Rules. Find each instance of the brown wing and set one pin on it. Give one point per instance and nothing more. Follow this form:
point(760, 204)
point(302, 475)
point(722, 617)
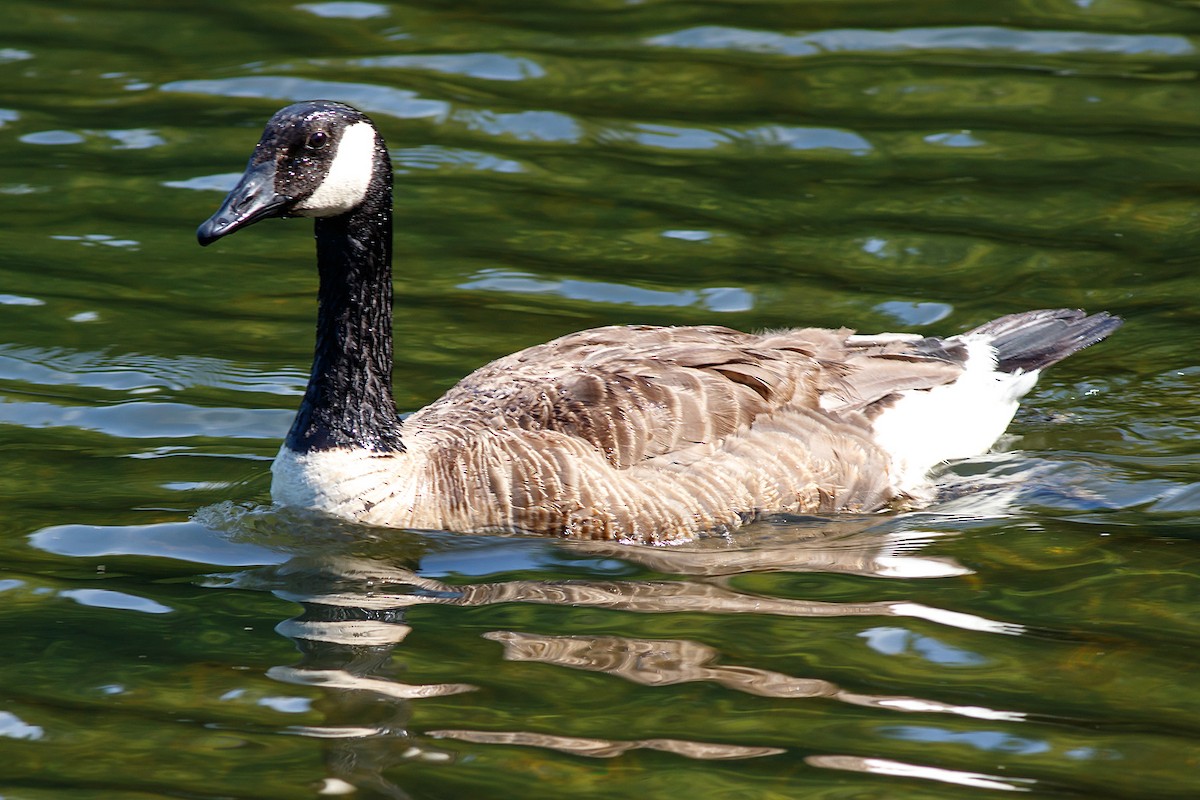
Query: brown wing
point(638, 392)
point(874, 370)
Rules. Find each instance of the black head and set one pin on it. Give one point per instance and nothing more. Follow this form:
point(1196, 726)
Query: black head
point(315, 159)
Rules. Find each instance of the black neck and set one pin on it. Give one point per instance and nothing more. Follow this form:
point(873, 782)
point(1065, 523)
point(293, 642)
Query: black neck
point(348, 402)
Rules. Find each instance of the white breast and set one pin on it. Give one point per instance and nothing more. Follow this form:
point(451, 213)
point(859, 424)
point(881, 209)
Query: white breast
point(354, 484)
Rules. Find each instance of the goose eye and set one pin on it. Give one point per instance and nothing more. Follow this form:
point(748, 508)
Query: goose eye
point(316, 140)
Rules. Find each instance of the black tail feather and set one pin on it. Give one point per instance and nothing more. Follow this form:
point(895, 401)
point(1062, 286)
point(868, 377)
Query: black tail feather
point(1035, 339)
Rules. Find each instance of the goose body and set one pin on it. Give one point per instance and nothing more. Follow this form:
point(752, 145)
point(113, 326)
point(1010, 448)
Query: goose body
point(642, 433)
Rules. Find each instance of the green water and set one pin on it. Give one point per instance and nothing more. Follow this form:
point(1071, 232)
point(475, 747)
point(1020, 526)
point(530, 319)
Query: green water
point(560, 165)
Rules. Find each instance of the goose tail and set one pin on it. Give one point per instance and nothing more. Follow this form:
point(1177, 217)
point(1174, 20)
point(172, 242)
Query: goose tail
point(1032, 340)
point(966, 417)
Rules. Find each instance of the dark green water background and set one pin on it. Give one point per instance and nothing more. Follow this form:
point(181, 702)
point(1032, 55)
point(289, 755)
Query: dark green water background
point(563, 164)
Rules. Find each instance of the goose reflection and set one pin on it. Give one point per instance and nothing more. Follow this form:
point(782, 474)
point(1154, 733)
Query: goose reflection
point(672, 661)
point(696, 583)
point(358, 613)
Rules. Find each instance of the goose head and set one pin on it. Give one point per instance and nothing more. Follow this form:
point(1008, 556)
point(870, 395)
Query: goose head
point(315, 159)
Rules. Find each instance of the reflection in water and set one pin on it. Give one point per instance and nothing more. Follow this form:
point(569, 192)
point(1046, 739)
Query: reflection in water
point(350, 632)
point(653, 662)
point(347, 650)
point(356, 615)
point(672, 661)
point(851, 546)
point(894, 641)
point(399, 587)
point(340, 679)
point(882, 766)
point(607, 748)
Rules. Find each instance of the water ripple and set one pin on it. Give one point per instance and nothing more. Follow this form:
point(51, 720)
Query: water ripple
point(341, 679)
point(485, 66)
point(985, 39)
point(135, 373)
point(398, 587)
point(607, 748)
point(143, 420)
point(346, 9)
point(723, 299)
point(883, 766)
point(401, 103)
point(669, 662)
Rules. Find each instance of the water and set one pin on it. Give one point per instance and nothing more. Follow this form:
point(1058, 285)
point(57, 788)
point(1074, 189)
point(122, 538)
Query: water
point(563, 165)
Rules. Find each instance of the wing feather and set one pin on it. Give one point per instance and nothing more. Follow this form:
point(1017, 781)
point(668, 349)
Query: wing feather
point(636, 393)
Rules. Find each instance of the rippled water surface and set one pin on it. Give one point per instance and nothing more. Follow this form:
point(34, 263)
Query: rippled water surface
point(560, 165)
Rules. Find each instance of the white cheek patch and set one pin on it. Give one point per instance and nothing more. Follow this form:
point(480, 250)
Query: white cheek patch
point(349, 175)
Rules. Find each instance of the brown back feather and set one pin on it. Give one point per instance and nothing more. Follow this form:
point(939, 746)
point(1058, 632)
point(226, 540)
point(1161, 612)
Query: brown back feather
point(688, 429)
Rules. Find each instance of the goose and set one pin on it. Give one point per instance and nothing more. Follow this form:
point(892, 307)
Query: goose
point(638, 433)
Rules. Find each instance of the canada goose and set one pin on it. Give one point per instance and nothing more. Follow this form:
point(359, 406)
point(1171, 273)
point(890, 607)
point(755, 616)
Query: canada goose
point(641, 433)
